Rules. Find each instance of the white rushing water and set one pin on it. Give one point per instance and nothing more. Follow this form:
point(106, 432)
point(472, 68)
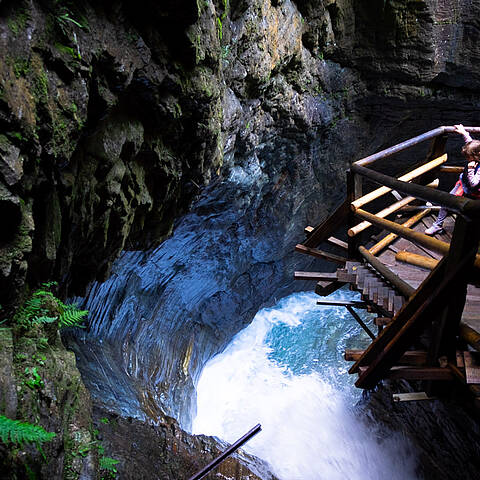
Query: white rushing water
point(286, 371)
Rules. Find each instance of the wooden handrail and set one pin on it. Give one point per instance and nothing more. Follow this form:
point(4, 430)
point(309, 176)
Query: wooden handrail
point(394, 207)
point(387, 240)
point(417, 172)
point(410, 143)
point(462, 205)
point(403, 287)
point(416, 259)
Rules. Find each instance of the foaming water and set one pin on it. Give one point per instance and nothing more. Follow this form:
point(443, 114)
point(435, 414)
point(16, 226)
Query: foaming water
point(286, 371)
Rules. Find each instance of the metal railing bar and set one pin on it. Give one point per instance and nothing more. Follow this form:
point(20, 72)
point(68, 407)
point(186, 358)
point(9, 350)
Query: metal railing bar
point(214, 463)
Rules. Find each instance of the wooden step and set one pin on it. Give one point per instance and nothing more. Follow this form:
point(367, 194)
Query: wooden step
point(317, 276)
point(410, 357)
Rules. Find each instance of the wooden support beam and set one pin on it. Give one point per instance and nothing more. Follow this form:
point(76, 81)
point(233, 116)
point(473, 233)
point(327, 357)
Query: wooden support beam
point(403, 287)
point(404, 178)
point(410, 357)
point(415, 373)
point(315, 252)
point(416, 259)
point(424, 306)
point(340, 303)
point(470, 336)
point(316, 276)
point(420, 373)
point(329, 226)
point(464, 246)
point(391, 237)
point(337, 242)
point(308, 230)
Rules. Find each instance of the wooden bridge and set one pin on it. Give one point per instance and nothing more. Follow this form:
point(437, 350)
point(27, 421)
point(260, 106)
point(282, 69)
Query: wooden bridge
point(424, 290)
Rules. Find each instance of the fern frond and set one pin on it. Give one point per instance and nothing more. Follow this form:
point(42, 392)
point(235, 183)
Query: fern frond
point(43, 319)
point(72, 316)
point(15, 431)
point(107, 463)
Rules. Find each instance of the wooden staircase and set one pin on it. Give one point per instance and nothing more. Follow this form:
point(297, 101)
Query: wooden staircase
point(419, 295)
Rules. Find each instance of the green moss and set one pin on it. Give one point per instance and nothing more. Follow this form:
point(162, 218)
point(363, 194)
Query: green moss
point(18, 22)
point(40, 87)
point(21, 67)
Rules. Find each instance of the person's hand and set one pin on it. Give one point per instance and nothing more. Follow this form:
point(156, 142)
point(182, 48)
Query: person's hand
point(460, 129)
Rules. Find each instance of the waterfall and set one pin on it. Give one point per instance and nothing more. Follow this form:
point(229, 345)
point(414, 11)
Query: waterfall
point(286, 371)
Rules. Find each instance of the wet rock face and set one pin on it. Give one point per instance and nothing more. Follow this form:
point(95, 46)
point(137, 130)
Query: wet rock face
point(110, 125)
point(434, 428)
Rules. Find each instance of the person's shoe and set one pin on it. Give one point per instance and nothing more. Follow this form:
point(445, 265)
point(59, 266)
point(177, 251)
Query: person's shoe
point(433, 229)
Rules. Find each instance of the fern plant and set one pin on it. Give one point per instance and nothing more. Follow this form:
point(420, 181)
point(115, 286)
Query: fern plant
point(42, 306)
point(108, 465)
point(15, 431)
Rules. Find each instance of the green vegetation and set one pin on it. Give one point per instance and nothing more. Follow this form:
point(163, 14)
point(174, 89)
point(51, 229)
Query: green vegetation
point(17, 432)
point(21, 67)
point(18, 22)
point(107, 465)
point(70, 51)
point(44, 308)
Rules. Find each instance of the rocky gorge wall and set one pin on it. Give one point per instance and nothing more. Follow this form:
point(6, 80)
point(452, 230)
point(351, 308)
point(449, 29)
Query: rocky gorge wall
point(115, 117)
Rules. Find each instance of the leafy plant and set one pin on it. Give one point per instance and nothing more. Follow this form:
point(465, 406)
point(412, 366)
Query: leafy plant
point(15, 431)
point(108, 464)
point(35, 381)
point(44, 308)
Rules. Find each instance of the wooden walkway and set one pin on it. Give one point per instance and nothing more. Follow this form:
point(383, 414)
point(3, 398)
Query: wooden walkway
point(425, 291)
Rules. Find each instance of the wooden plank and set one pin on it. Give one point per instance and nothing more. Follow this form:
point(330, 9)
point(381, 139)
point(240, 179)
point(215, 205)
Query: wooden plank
point(410, 357)
point(472, 367)
point(411, 397)
point(404, 178)
point(417, 260)
point(314, 252)
point(329, 226)
point(317, 276)
point(337, 242)
point(340, 303)
point(308, 230)
point(324, 289)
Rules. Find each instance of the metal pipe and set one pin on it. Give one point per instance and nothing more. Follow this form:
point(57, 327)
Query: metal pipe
point(204, 471)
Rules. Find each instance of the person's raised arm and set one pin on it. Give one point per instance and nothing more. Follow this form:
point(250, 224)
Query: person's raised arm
point(460, 129)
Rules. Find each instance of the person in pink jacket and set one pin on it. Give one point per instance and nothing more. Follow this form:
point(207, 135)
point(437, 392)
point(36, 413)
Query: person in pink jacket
point(468, 184)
